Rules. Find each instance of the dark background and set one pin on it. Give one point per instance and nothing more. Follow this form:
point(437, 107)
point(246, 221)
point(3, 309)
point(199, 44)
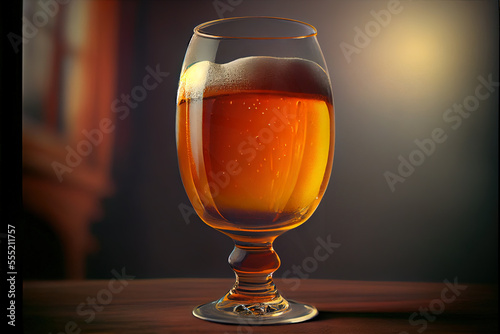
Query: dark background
point(441, 223)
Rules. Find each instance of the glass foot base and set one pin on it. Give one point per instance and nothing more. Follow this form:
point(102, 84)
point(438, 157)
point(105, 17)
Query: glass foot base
point(296, 312)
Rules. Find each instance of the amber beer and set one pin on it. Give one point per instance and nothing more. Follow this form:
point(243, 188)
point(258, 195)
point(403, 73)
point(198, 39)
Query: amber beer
point(255, 141)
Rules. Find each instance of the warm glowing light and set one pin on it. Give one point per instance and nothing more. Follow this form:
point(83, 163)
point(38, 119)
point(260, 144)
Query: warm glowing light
point(413, 54)
point(418, 52)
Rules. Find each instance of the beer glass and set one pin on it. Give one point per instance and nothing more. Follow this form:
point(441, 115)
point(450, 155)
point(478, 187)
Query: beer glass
point(255, 141)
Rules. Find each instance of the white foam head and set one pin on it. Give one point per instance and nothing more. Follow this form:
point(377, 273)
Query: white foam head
point(254, 73)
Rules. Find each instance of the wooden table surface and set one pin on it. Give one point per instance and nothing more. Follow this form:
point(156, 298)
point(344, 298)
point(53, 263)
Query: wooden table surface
point(164, 306)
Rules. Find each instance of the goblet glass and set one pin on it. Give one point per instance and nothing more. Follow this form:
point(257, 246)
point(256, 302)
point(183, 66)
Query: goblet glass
point(255, 141)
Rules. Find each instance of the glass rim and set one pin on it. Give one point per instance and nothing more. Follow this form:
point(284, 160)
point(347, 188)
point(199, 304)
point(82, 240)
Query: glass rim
point(198, 29)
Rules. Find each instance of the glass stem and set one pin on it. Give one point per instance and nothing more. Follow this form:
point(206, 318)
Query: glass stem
point(254, 291)
point(254, 266)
